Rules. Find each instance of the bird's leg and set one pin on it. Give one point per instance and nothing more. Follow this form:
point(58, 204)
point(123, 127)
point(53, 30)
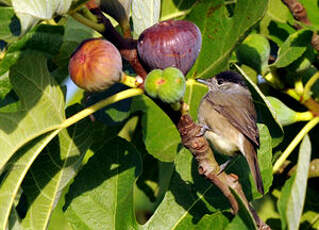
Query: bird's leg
point(203, 130)
point(223, 166)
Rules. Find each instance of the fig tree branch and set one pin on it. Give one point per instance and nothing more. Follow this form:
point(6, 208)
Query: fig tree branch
point(126, 46)
point(209, 168)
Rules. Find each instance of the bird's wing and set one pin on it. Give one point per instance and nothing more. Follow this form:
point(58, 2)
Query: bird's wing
point(240, 112)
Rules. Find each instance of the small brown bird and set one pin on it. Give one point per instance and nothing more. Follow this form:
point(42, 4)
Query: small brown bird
point(228, 117)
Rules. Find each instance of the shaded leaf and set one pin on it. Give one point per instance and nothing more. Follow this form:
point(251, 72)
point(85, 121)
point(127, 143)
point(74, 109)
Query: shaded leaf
point(160, 135)
point(17, 168)
point(10, 26)
point(291, 201)
point(52, 171)
point(31, 11)
point(101, 195)
point(44, 39)
point(293, 48)
point(191, 202)
point(175, 8)
point(145, 13)
point(220, 33)
point(42, 105)
point(5, 85)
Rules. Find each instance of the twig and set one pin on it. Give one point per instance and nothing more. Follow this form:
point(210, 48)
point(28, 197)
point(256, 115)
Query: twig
point(126, 46)
point(300, 14)
point(208, 166)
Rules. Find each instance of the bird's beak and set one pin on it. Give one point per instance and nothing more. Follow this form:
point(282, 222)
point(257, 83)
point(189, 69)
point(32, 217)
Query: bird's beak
point(202, 81)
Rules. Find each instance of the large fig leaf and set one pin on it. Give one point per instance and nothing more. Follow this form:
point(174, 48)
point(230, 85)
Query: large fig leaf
point(160, 135)
point(293, 194)
point(145, 13)
point(52, 171)
point(101, 196)
point(42, 105)
point(221, 33)
point(175, 8)
point(16, 171)
point(10, 26)
point(31, 11)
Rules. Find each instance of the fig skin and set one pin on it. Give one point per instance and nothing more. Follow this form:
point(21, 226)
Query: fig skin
point(168, 85)
point(95, 65)
point(168, 43)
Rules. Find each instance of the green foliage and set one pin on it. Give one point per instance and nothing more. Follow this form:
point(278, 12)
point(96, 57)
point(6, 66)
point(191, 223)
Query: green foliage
point(125, 166)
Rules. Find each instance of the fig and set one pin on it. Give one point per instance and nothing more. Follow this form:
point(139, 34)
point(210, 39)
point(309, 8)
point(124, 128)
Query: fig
point(254, 52)
point(95, 65)
point(170, 43)
point(168, 85)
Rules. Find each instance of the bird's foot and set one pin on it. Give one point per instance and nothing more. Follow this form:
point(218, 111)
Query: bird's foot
point(223, 166)
point(203, 130)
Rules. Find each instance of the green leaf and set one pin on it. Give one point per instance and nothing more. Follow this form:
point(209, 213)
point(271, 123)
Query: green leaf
point(191, 202)
point(44, 39)
point(145, 13)
point(5, 85)
point(220, 33)
point(285, 115)
point(160, 135)
point(243, 219)
point(293, 48)
point(278, 11)
point(52, 171)
point(14, 221)
point(42, 105)
point(31, 11)
point(101, 196)
point(291, 201)
point(265, 112)
point(175, 8)
point(10, 27)
point(312, 9)
point(16, 170)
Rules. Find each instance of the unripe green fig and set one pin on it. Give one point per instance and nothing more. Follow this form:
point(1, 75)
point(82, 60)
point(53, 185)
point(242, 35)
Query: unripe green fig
point(168, 85)
point(95, 65)
point(254, 52)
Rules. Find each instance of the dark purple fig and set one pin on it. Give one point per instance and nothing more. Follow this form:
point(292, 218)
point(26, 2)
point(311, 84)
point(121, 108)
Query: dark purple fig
point(170, 43)
point(95, 65)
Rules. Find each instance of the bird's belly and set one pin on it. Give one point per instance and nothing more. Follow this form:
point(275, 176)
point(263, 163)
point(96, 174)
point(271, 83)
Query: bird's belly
point(221, 144)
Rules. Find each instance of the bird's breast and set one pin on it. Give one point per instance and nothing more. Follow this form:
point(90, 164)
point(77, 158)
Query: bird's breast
point(222, 144)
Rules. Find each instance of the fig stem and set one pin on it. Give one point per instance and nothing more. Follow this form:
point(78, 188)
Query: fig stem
point(130, 81)
point(304, 116)
point(311, 124)
point(94, 25)
point(309, 84)
point(99, 105)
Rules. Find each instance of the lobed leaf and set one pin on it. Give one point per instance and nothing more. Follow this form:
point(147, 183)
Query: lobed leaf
point(160, 135)
point(52, 171)
point(145, 13)
point(291, 201)
point(42, 105)
point(221, 33)
point(101, 195)
point(10, 28)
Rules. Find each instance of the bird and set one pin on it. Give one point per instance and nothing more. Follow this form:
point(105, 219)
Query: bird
point(229, 120)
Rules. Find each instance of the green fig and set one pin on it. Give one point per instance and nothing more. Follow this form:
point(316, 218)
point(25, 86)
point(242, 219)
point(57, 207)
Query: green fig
point(95, 65)
point(168, 85)
point(254, 52)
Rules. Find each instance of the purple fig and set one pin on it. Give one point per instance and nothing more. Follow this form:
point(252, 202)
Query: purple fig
point(95, 65)
point(170, 43)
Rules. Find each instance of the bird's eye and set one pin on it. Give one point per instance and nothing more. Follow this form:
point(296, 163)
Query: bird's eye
point(220, 82)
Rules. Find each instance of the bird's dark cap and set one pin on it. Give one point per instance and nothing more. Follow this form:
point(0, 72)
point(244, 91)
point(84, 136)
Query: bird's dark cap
point(230, 76)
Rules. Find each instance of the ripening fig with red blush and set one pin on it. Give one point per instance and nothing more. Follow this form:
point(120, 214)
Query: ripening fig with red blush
point(170, 43)
point(95, 65)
